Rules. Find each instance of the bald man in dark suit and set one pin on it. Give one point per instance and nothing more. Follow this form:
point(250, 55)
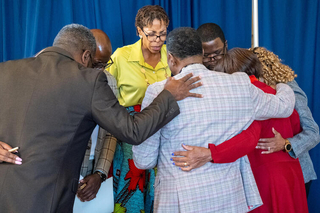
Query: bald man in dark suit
point(49, 106)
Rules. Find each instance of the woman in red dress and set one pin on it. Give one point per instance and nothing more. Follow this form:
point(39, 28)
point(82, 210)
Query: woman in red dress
point(279, 177)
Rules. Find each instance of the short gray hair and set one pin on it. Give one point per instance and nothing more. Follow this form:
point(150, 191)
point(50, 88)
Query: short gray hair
point(75, 38)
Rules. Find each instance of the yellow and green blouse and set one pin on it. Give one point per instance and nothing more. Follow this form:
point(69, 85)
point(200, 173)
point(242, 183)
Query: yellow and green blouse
point(133, 74)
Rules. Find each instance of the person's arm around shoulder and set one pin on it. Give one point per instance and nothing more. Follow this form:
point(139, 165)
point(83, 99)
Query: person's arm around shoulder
point(108, 113)
point(267, 106)
point(226, 152)
point(309, 137)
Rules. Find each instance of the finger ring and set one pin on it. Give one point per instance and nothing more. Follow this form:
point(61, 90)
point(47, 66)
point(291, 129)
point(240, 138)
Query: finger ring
point(269, 149)
point(185, 164)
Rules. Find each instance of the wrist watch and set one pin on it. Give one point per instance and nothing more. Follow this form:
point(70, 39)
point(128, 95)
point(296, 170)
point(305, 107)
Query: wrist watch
point(287, 146)
point(102, 176)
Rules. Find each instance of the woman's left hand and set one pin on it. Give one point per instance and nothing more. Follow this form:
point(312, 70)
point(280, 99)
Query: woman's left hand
point(271, 145)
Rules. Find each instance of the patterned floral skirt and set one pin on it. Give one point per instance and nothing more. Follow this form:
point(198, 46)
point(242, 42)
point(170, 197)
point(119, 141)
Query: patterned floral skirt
point(132, 187)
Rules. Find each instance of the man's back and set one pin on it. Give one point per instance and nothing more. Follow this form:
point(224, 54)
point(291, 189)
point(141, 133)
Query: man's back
point(42, 108)
point(225, 109)
point(229, 105)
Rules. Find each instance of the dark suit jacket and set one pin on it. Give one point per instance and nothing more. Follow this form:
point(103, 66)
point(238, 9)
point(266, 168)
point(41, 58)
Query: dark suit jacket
point(49, 107)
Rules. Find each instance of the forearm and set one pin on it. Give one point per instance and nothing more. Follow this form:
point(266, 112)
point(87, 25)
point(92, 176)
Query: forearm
point(108, 113)
point(107, 153)
point(268, 106)
point(309, 136)
point(145, 155)
point(238, 146)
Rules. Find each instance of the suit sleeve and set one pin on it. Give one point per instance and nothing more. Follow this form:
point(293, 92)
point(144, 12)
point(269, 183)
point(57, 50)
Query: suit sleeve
point(145, 155)
point(110, 115)
point(267, 106)
point(309, 137)
point(238, 146)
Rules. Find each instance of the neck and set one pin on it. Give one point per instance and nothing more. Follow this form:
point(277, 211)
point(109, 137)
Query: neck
point(197, 59)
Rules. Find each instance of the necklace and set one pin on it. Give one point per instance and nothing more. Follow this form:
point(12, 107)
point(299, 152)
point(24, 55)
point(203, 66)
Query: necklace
point(145, 76)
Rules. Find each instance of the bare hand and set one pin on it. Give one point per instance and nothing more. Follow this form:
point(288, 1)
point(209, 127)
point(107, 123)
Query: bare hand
point(93, 183)
point(180, 89)
point(7, 156)
point(194, 157)
point(271, 144)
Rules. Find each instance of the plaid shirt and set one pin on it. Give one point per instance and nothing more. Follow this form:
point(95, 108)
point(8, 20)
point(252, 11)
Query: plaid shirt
point(230, 104)
point(105, 147)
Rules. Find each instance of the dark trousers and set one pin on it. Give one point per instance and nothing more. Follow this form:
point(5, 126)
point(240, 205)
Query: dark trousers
point(307, 185)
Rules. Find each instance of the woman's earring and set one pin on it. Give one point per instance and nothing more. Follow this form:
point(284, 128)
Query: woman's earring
point(140, 36)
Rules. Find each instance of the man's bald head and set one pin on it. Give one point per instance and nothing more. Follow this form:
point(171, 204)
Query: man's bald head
point(104, 49)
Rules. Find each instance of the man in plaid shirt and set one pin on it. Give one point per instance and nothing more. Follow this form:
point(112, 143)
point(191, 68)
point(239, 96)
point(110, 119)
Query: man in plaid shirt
point(230, 104)
point(101, 147)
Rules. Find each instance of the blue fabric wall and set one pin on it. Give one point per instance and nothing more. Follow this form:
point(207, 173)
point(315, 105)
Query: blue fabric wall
point(290, 28)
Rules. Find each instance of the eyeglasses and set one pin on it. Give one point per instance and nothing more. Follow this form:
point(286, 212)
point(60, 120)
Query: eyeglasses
point(101, 65)
point(152, 37)
point(207, 58)
point(216, 55)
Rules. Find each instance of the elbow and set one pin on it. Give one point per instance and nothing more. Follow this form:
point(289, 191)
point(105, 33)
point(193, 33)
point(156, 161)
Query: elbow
point(144, 165)
point(143, 162)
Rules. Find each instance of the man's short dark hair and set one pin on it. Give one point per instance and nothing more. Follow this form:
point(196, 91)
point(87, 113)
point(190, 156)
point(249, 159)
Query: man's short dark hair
point(75, 38)
point(210, 31)
point(184, 42)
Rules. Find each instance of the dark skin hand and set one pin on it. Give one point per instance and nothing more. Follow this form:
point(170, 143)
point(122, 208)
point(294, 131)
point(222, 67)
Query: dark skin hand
point(180, 89)
point(276, 143)
point(6, 156)
point(193, 157)
point(93, 183)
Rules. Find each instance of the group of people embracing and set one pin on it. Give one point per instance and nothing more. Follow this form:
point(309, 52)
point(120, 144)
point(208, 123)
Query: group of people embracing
point(241, 145)
point(221, 134)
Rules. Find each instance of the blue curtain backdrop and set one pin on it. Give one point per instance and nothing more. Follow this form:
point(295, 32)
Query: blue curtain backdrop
point(290, 28)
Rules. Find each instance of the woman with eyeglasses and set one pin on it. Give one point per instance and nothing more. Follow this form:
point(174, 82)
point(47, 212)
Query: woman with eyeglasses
point(135, 67)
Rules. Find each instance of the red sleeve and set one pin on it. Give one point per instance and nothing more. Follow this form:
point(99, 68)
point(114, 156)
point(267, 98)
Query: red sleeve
point(238, 146)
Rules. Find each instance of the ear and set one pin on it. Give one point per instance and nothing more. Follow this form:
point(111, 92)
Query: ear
point(86, 59)
point(172, 60)
point(139, 32)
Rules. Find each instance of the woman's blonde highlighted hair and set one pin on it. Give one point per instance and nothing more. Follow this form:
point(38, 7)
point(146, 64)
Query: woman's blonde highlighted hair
point(273, 70)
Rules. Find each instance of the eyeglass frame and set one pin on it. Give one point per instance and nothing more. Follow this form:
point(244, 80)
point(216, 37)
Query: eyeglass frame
point(103, 65)
point(218, 55)
point(157, 36)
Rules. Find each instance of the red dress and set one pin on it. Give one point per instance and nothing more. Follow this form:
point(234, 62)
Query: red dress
point(279, 177)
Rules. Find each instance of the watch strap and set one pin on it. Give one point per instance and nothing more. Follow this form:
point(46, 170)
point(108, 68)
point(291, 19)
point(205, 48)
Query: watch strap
point(287, 146)
point(103, 177)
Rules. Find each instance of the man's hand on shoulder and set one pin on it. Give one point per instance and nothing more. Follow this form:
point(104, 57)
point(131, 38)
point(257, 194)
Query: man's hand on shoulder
point(180, 89)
